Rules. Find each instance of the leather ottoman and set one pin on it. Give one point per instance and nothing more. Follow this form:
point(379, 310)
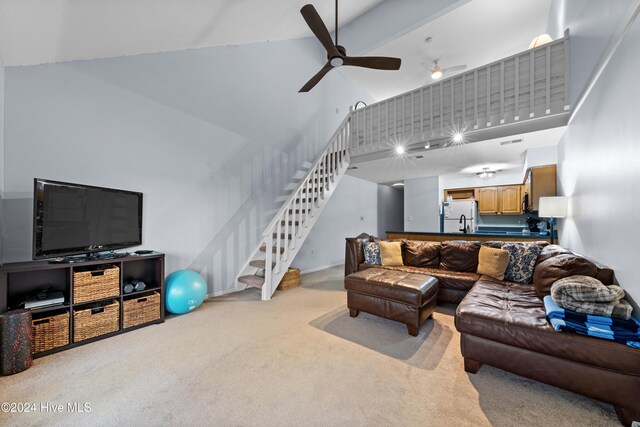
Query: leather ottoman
point(405, 297)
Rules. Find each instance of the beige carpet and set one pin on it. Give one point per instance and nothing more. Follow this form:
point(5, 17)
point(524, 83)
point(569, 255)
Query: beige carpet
point(297, 360)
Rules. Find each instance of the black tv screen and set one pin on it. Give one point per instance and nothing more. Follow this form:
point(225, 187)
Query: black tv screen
point(72, 219)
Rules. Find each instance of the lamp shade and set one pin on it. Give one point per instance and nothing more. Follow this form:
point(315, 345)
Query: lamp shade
point(553, 207)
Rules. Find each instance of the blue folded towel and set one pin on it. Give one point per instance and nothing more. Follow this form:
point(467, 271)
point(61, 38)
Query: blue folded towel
point(623, 331)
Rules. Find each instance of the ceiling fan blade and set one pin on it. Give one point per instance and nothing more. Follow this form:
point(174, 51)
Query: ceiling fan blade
point(315, 79)
point(377, 62)
point(454, 68)
point(314, 22)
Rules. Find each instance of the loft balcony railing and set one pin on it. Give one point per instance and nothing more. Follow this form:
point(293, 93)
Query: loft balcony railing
point(522, 87)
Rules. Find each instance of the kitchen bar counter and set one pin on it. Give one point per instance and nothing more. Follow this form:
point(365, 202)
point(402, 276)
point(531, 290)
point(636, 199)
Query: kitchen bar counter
point(482, 237)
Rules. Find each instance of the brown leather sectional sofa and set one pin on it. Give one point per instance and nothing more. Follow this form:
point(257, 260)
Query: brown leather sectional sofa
point(503, 324)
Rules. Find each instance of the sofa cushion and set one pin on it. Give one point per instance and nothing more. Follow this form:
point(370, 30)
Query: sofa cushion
point(512, 314)
point(558, 267)
point(493, 262)
point(422, 254)
point(372, 253)
point(391, 253)
point(522, 261)
point(459, 255)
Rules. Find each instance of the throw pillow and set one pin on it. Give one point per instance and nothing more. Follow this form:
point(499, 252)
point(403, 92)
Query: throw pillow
point(522, 261)
point(391, 253)
point(372, 253)
point(493, 262)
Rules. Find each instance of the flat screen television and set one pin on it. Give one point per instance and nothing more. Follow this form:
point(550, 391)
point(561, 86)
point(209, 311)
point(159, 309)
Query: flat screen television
point(73, 219)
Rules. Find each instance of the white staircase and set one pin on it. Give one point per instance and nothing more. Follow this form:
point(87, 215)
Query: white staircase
point(284, 236)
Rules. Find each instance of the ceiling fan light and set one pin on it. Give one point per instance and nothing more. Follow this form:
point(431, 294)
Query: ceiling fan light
point(436, 72)
point(486, 174)
point(540, 40)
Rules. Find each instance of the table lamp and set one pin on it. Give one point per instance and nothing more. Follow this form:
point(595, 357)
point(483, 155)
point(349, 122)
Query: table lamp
point(552, 208)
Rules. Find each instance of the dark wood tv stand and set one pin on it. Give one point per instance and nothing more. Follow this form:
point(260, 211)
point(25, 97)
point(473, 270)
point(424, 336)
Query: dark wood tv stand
point(19, 280)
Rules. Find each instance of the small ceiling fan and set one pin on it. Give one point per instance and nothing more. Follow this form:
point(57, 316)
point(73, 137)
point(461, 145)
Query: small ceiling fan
point(437, 72)
point(336, 54)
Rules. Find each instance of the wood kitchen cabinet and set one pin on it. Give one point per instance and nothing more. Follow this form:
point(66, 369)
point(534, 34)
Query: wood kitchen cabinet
point(501, 200)
point(541, 182)
point(487, 200)
point(509, 200)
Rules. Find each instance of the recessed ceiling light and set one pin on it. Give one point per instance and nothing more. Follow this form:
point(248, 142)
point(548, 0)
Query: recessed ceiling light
point(458, 137)
point(400, 149)
point(427, 145)
point(398, 184)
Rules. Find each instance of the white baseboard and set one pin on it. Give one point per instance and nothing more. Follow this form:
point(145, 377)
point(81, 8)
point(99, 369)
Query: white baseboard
point(324, 267)
point(226, 291)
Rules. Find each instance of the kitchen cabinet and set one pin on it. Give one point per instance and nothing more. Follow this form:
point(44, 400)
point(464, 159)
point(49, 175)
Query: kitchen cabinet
point(487, 200)
point(541, 182)
point(509, 200)
point(460, 193)
point(500, 200)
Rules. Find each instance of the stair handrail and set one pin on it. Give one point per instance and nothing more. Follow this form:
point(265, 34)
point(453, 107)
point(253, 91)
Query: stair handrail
point(278, 216)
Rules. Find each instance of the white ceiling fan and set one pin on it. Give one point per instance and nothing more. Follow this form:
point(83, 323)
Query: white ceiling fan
point(437, 72)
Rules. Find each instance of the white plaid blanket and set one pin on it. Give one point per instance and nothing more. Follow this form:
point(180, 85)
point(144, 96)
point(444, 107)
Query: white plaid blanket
point(588, 295)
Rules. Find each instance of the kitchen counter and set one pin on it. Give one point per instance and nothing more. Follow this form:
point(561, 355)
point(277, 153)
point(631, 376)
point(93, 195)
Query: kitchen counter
point(482, 236)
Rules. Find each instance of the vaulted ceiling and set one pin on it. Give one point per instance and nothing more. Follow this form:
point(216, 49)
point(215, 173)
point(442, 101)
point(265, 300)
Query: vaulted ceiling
point(45, 31)
point(470, 32)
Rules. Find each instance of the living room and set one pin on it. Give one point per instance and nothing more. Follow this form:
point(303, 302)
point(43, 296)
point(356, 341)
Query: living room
point(199, 110)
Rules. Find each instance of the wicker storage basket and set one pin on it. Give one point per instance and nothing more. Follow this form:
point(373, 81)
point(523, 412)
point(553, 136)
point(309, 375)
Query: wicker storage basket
point(50, 332)
point(95, 321)
point(290, 280)
point(140, 310)
point(96, 284)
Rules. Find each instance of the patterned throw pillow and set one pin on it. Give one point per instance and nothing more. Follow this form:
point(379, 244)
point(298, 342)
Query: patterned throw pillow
point(372, 253)
point(522, 261)
point(493, 262)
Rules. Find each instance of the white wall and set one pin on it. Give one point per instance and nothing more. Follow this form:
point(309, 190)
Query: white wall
point(599, 155)
point(212, 137)
point(351, 210)
point(1, 162)
point(422, 205)
point(592, 26)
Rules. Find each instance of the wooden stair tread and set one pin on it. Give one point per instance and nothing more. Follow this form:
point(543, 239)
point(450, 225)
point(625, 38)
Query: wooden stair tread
point(283, 236)
point(260, 263)
point(252, 281)
point(263, 248)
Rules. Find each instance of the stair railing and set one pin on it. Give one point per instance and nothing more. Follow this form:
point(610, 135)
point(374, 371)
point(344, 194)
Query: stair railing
point(293, 221)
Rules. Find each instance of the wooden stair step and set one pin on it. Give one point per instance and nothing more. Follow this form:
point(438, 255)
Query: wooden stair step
point(283, 236)
point(260, 263)
point(252, 281)
point(274, 249)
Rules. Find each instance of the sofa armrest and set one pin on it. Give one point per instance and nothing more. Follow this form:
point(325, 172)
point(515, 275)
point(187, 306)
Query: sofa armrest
point(354, 253)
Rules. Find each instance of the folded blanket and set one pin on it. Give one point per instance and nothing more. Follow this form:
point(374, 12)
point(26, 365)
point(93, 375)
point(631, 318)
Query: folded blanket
point(619, 330)
point(588, 295)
